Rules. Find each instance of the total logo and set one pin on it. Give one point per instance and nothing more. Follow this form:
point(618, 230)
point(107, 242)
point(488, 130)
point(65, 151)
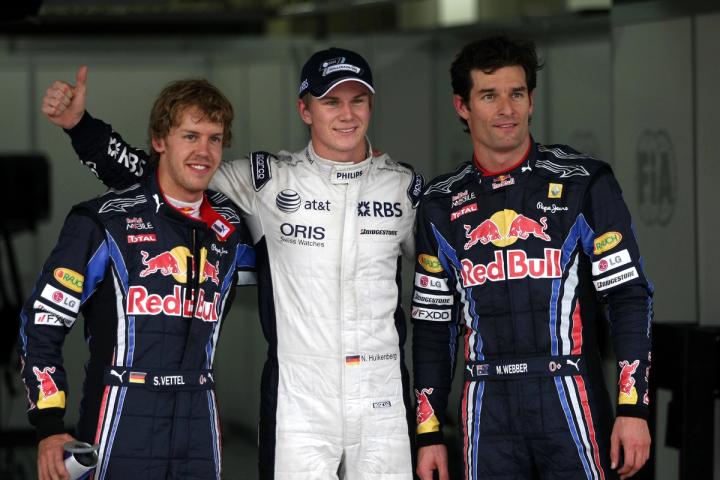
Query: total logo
point(367, 208)
point(140, 302)
point(175, 263)
point(504, 228)
point(517, 265)
point(289, 201)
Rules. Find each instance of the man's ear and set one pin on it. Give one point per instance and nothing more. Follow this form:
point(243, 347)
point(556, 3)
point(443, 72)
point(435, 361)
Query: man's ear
point(461, 107)
point(304, 112)
point(158, 145)
point(532, 101)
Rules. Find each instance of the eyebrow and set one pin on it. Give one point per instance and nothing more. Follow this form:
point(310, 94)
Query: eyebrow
point(196, 132)
point(333, 97)
point(492, 90)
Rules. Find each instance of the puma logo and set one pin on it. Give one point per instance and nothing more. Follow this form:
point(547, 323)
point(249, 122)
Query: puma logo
point(158, 202)
point(574, 364)
point(119, 375)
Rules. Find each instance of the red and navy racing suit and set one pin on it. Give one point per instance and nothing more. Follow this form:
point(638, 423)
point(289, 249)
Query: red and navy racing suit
point(154, 286)
point(518, 266)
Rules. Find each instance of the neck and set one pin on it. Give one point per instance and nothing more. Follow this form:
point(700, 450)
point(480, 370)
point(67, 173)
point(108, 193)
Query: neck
point(356, 155)
point(169, 188)
point(493, 161)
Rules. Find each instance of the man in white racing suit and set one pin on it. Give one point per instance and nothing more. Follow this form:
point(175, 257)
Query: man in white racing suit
point(330, 223)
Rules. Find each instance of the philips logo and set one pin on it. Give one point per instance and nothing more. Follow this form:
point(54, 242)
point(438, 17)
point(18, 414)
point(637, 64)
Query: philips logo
point(348, 175)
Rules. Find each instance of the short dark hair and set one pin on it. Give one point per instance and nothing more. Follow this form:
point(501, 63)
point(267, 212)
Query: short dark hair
point(488, 55)
point(181, 95)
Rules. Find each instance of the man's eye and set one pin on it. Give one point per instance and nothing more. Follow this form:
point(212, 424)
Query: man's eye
point(189, 136)
point(216, 139)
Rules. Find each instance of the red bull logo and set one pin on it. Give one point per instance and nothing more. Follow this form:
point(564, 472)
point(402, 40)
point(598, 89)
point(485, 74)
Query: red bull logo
point(210, 272)
point(175, 263)
point(140, 302)
point(484, 233)
point(504, 228)
point(426, 419)
point(47, 384)
point(511, 265)
point(626, 382)
point(166, 263)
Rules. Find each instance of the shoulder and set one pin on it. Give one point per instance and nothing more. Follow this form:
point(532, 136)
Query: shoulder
point(563, 162)
point(405, 173)
point(224, 206)
point(449, 183)
point(262, 165)
point(114, 202)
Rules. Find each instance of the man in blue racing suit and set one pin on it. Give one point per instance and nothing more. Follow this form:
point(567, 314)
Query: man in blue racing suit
point(518, 250)
point(152, 269)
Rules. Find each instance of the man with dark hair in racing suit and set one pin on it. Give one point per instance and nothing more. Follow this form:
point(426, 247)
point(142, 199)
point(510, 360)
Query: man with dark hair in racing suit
point(330, 223)
point(517, 251)
point(152, 269)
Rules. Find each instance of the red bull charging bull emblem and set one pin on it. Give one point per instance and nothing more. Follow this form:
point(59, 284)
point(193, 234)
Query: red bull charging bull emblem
point(175, 263)
point(504, 228)
point(426, 419)
point(626, 382)
point(49, 396)
point(47, 384)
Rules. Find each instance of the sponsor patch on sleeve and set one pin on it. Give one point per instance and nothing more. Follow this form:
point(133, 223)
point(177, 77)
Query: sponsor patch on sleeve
point(415, 189)
point(610, 262)
point(617, 279)
point(419, 313)
point(60, 298)
point(606, 241)
point(260, 166)
point(431, 283)
point(430, 263)
point(432, 299)
point(69, 279)
point(44, 318)
point(38, 305)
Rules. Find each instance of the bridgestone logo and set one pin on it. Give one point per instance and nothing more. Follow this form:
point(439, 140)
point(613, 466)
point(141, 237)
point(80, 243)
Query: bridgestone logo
point(365, 231)
point(617, 279)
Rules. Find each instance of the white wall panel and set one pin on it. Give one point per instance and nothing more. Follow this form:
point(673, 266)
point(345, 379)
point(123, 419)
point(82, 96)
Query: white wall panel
point(579, 78)
point(708, 166)
point(653, 132)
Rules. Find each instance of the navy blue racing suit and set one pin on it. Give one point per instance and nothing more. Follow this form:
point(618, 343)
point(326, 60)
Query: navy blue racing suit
point(154, 286)
point(519, 266)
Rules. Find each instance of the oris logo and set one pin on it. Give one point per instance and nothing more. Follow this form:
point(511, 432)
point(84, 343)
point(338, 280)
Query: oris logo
point(288, 201)
point(307, 232)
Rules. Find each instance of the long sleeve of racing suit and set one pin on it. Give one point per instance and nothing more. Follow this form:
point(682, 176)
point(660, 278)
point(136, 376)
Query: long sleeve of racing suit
point(67, 282)
point(118, 164)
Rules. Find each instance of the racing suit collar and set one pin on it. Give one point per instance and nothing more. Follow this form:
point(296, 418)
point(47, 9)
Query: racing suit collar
point(516, 174)
point(340, 172)
point(208, 215)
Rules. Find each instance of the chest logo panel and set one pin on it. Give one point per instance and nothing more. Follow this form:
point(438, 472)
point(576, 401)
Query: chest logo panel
point(175, 262)
point(504, 228)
